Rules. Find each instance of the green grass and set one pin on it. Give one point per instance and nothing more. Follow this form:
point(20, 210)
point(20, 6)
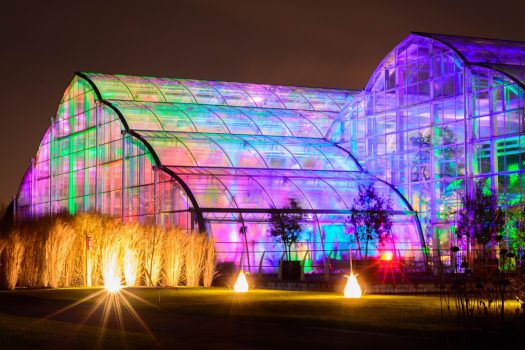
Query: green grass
point(219, 318)
point(26, 332)
point(372, 313)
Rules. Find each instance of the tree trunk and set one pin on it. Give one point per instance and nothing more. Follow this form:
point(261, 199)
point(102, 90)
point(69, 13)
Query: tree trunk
point(366, 250)
point(358, 245)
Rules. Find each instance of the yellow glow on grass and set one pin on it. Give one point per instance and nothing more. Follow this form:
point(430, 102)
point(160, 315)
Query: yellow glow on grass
point(352, 288)
point(241, 285)
point(113, 302)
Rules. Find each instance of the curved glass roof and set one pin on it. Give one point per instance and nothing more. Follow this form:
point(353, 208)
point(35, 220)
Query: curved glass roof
point(501, 55)
point(516, 72)
point(150, 89)
point(224, 119)
point(247, 151)
point(478, 50)
point(243, 145)
point(265, 188)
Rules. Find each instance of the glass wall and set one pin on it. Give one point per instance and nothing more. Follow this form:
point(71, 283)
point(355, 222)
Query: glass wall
point(208, 156)
point(434, 119)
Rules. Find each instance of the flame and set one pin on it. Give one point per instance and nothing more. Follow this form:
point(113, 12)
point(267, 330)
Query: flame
point(241, 285)
point(352, 288)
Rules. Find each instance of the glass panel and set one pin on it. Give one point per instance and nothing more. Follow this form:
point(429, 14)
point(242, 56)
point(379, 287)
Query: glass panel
point(240, 152)
point(291, 98)
point(204, 119)
point(233, 94)
point(266, 122)
point(203, 92)
point(138, 116)
point(110, 87)
point(262, 96)
point(142, 89)
point(236, 120)
point(321, 120)
point(318, 100)
point(174, 90)
point(171, 117)
point(275, 155)
point(300, 126)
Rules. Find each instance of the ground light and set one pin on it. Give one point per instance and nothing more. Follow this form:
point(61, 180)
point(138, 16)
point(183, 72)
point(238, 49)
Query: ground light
point(352, 288)
point(241, 285)
point(112, 278)
point(386, 256)
point(112, 285)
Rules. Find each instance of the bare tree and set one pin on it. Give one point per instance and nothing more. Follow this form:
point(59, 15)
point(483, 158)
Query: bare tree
point(371, 215)
point(286, 225)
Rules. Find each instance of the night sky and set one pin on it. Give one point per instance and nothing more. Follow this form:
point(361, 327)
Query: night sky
point(308, 43)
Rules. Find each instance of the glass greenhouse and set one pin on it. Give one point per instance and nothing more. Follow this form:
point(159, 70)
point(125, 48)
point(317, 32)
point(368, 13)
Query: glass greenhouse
point(439, 114)
point(208, 156)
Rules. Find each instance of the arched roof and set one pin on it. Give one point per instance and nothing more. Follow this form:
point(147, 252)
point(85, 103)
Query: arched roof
point(191, 117)
point(247, 151)
point(325, 191)
point(151, 89)
point(504, 56)
point(242, 146)
point(480, 50)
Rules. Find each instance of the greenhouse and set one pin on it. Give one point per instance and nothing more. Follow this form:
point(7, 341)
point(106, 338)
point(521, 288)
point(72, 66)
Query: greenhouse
point(209, 156)
point(440, 114)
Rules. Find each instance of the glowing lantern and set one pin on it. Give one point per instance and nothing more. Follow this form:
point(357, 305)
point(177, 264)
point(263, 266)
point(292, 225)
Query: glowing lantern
point(352, 288)
point(386, 256)
point(241, 285)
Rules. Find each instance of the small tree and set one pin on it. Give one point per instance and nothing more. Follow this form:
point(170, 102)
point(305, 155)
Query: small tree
point(371, 215)
point(480, 218)
point(286, 225)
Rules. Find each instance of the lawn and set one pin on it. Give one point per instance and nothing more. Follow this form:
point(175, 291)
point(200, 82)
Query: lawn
point(218, 318)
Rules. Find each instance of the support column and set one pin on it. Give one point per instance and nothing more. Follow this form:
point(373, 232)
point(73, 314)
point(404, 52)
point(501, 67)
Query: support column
point(155, 197)
point(123, 176)
point(51, 137)
point(97, 189)
point(466, 143)
point(32, 187)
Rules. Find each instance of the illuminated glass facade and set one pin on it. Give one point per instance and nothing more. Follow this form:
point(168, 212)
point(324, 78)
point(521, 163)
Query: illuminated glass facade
point(207, 156)
point(440, 113)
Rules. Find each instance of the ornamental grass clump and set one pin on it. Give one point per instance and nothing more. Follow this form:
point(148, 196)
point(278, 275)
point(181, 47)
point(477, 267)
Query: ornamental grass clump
point(174, 257)
point(12, 255)
point(60, 254)
point(210, 261)
point(95, 250)
point(195, 253)
point(132, 254)
point(153, 246)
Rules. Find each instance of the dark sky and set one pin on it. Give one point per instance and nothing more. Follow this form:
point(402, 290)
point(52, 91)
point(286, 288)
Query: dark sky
point(309, 43)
